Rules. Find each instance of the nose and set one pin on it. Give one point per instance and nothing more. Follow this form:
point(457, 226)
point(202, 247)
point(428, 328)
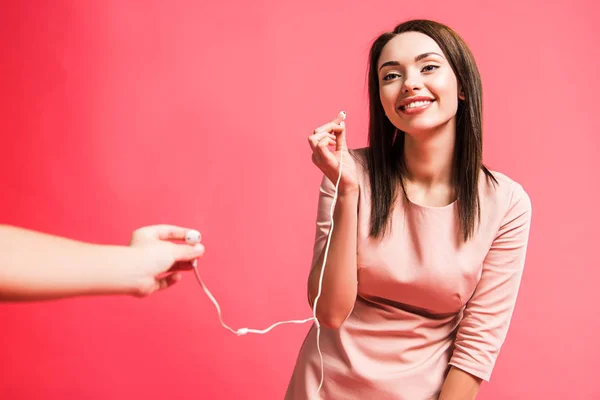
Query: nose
point(412, 83)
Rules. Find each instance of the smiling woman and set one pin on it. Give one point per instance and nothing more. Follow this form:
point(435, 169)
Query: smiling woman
point(418, 289)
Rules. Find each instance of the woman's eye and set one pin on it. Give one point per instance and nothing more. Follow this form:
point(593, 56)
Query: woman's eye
point(390, 76)
point(429, 68)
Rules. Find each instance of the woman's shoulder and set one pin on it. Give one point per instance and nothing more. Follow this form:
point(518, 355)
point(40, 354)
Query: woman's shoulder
point(503, 192)
point(360, 154)
point(360, 158)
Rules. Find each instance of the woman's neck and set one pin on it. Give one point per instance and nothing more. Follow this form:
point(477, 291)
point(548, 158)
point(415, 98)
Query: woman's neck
point(429, 158)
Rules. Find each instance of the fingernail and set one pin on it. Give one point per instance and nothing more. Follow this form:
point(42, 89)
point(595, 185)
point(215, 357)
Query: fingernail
point(343, 124)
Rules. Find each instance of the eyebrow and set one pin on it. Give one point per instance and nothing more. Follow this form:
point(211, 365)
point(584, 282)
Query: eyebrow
point(417, 59)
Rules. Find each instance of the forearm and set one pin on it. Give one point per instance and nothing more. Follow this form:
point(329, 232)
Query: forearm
point(339, 288)
point(36, 266)
point(460, 385)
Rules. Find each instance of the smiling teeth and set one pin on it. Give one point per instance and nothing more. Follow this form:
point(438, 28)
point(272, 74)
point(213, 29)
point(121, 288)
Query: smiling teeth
point(417, 104)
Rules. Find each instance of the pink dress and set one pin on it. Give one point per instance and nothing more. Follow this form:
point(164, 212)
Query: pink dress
point(426, 301)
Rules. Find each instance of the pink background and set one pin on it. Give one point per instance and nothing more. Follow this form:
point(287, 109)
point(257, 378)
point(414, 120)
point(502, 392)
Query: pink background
point(117, 114)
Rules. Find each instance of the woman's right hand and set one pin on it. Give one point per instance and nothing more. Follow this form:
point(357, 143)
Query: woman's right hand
point(334, 134)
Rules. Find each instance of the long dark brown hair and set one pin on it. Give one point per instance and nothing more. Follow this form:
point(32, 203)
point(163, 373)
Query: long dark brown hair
point(385, 152)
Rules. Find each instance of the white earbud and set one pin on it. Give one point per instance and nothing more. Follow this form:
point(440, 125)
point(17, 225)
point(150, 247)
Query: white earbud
point(192, 237)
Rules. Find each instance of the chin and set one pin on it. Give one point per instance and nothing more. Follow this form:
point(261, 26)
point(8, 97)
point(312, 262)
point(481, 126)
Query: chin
point(419, 129)
point(421, 126)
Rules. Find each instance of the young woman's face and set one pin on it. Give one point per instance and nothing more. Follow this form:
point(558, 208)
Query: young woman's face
point(417, 87)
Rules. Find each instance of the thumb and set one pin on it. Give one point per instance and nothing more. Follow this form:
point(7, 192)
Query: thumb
point(340, 117)
point(186, 252)
point(340, 142)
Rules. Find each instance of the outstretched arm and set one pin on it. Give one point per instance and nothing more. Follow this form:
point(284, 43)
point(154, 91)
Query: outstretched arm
point(39, 266)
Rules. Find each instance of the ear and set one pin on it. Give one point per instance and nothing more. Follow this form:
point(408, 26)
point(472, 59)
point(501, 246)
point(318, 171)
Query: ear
point(461, 94)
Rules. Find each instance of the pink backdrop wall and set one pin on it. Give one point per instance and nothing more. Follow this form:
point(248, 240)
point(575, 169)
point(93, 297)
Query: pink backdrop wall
point(117, 114)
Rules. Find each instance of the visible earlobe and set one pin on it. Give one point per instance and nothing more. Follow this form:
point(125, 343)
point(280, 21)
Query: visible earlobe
point(461, 95)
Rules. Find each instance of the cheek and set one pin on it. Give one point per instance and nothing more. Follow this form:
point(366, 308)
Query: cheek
point(388, 97)
point(446, 89)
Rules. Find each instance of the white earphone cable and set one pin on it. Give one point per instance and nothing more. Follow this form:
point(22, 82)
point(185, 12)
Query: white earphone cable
point(244, 331)
point(331, 210)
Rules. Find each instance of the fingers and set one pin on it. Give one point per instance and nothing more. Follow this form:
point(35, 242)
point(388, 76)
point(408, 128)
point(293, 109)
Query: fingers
point(171, 232)
point(321, 152)
point(167, 281)
point(340, 143)
point(189, 253)
point(334, 125)
point(341, 140)
point(330, 127)
point(315, 139)
point(184, 265)
point(340, 117)
point(331, 133)
point(158, 283)
point(339, 122)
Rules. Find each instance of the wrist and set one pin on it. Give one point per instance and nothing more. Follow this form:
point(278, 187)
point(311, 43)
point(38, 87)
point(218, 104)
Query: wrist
point(350, 193)
point(134, 281)
point(347, 202)
point(119, 270)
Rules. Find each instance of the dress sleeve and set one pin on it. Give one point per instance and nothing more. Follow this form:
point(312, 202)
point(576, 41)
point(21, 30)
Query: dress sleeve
point(323, 223)
point(487, 315)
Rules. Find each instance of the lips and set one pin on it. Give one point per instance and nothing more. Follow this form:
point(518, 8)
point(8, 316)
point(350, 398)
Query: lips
point(414, 105)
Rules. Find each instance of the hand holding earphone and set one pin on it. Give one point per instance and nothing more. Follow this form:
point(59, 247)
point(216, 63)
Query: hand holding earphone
point(333, 133)
point(159, 257)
